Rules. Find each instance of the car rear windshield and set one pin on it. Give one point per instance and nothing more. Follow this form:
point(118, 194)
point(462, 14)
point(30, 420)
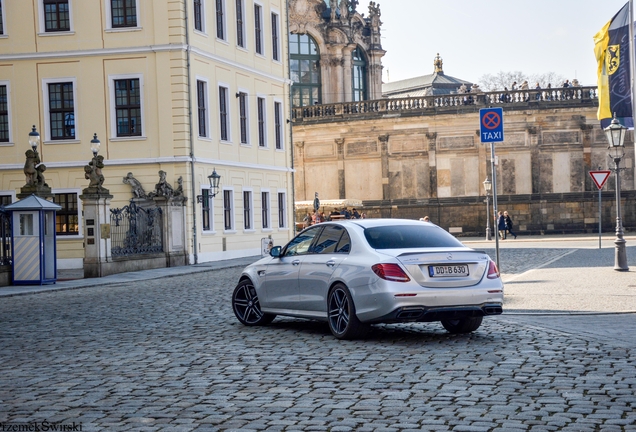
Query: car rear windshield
point(409, 236)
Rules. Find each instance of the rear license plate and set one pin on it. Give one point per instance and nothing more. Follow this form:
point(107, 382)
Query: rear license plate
point(448, 270)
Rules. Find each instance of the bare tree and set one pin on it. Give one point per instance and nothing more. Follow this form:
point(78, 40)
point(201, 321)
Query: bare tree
point(501, 80)
point(552, 78)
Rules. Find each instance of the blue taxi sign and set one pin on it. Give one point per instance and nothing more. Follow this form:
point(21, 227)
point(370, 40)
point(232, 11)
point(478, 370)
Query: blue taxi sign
point(491, 125)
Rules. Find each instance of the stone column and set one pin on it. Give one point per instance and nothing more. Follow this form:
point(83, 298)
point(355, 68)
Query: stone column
point(587, 156)
point(174, 231)
point(432, 163)
point(347, 79)
point(384, 155)
point(342, 190)
point(97, 244)
point(301, 181)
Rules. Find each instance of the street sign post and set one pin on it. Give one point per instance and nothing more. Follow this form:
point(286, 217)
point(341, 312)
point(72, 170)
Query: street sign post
point(491, 131)
point(599, 178)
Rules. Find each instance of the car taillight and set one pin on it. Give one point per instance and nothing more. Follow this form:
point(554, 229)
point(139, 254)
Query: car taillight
point(390, 272)
point(493, 271)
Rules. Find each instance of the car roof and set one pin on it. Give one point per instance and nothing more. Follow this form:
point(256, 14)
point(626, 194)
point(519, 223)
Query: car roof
point(371, 223)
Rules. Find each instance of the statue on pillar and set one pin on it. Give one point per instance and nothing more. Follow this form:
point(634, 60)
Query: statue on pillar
point(163, 188)
point(93, 173)
point(34, 175)
point(31, 165)
point(137, 188)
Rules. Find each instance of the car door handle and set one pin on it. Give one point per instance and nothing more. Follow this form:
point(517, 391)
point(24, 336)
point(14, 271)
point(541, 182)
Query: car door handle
point(331, 263)
point(295, 262)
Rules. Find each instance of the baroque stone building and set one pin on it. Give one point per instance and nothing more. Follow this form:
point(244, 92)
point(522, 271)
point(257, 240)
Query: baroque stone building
point(407, 157)
point(335, 52)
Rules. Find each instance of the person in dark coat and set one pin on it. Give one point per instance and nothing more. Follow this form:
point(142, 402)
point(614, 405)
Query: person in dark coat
point(509, 223)
point(501, 225)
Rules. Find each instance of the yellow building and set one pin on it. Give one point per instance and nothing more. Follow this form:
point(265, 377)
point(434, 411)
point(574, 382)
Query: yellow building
point(182, 86)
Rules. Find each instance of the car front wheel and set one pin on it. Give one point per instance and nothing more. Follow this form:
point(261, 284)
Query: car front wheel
point(464, 325)
point(247, 307)
point(343, 322)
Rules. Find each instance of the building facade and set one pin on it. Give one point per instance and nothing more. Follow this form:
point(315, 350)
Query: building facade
point(415, 156)
point(181, 87)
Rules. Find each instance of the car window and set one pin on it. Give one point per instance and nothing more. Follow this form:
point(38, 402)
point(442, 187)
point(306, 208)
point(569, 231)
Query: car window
point(329, 240)
point(409, 236)
point(344, 245)
point(299, 245)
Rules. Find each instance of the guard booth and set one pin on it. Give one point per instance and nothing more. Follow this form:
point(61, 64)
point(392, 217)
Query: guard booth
point(33, 241)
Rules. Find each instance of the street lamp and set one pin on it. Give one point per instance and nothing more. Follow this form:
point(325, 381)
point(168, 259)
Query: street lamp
point(214, 180)
point(95, 145)
point(487, 188)
point(34, 139)
point(615, 133)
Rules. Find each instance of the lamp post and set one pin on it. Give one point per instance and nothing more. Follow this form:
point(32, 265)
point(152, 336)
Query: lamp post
point(487, 187)
point(214, 180)
point(95, 145)
point(615, 133)
point(34, 139)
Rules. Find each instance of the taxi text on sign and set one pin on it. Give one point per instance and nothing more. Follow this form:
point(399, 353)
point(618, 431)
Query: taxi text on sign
point(491, 125)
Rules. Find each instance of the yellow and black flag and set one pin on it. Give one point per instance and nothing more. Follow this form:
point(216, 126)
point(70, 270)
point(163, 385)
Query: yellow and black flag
point(612, 49)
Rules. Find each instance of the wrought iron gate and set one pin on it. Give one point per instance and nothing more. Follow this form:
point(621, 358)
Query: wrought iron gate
point(5, 237)
point(135, 230)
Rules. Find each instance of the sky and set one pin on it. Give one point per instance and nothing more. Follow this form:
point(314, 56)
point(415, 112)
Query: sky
point(479, 37)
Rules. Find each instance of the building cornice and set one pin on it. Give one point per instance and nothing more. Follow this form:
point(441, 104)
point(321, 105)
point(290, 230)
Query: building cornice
point(140, 50)
point(161, 160)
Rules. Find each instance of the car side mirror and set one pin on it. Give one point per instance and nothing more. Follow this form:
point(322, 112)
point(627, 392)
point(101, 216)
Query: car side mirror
point(275, 251)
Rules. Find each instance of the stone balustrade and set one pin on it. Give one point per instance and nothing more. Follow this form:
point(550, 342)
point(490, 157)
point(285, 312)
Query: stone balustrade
point(543, 98)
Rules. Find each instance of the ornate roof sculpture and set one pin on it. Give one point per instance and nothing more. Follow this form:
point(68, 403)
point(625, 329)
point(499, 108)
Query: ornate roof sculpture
point(437, 83)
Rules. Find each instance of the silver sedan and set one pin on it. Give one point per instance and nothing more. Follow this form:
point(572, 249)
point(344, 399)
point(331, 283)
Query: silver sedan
point(359, 272)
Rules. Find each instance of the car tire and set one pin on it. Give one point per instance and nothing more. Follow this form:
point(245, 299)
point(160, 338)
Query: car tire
point(246, 306)
point(464, 325)
point(341, 314)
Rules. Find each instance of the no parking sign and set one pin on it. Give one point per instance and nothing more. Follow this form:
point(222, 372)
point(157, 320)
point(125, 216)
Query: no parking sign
point(491, 125)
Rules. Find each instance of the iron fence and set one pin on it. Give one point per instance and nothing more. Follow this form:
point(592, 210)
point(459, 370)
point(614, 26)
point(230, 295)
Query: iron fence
point(5, 237)
point(136, 230)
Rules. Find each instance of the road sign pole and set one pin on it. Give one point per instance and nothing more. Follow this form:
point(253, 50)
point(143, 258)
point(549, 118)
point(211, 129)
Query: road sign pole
point(599, 218)
point(494, 200)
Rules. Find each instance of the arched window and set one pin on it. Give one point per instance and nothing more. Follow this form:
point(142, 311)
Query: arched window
point(304, 66)
point(359, 75)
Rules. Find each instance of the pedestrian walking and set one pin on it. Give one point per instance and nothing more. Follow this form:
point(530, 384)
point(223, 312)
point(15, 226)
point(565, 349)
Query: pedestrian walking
point(501, 225)
point(509, 224)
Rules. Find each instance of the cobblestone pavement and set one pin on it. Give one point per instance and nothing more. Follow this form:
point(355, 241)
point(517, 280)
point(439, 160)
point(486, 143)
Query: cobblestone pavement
point(168, 354)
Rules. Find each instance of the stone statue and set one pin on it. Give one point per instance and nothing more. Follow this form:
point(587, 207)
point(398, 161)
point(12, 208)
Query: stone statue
point(437, 63)
point(354, 4)
point(344, 10)
point(39, 173)
point(137, 189)
point(30, 167)
point(93, 172)
point(163, 188)
point(333, 4)
point(374, 14)
point(179, 190)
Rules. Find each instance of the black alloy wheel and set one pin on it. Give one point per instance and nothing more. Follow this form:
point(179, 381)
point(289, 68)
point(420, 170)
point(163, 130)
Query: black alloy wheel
point(343, 322)
point(247, 307)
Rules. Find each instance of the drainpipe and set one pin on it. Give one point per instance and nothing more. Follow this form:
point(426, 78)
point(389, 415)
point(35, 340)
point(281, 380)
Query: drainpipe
point(195, 242)
point(291, 135)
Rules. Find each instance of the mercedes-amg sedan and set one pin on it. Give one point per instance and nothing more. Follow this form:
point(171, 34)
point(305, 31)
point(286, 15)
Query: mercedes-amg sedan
point(359, 272)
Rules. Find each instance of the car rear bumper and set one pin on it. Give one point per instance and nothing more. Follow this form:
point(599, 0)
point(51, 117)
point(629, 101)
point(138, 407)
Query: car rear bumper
point(424, 314)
